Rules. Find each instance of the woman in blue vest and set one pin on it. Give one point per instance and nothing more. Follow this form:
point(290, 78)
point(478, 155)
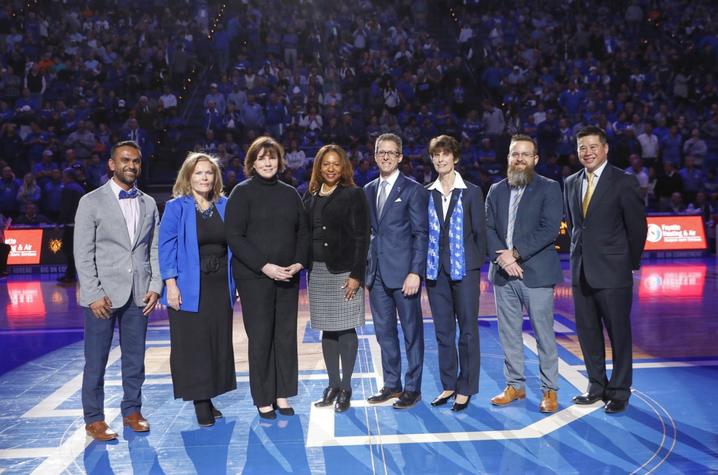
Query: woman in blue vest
point(456, 251)
point(199, 288)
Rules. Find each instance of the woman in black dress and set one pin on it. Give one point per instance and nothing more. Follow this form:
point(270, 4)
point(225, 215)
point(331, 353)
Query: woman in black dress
point(267, 232)
point(199, 287)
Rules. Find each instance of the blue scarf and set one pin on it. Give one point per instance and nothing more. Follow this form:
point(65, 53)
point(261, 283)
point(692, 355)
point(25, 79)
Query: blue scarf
point(456, 241)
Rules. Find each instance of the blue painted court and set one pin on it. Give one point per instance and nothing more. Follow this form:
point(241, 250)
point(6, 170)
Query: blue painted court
point(671, 425)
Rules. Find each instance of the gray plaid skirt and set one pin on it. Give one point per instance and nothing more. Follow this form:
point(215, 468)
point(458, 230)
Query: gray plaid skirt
point(327, 308)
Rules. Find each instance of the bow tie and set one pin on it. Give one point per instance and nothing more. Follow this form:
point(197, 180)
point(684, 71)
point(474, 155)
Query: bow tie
point(128, 194)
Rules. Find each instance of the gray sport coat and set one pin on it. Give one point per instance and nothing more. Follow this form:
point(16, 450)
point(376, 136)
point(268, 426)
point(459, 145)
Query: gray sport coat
point(108, 264)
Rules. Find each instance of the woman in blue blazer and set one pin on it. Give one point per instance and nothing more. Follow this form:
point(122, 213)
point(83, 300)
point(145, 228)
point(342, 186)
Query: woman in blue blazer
point(199, 288)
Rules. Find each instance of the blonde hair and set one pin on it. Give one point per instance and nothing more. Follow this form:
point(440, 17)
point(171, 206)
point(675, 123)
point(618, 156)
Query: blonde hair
point(183, 185)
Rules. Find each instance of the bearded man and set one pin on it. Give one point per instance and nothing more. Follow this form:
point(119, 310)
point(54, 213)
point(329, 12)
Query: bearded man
point(523, 214)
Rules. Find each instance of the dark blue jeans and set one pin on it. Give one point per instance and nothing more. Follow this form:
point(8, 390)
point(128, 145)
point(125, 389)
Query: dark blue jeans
point(98, 340)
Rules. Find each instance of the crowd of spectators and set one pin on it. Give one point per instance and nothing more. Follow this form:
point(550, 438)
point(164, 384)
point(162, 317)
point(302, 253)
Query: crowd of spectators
point(74, 80)
point(644, 71)
point(77, 76)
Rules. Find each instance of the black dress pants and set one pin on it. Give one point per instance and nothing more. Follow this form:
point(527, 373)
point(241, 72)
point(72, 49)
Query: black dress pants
point(609, 308)
point(269, 311)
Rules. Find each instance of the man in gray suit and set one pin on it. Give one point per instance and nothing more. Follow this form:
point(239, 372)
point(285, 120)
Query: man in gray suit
point(523, 215)
point(116, 232)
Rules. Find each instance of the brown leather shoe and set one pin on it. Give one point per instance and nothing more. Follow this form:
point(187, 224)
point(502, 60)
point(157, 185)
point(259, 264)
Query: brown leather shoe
point(100, 431)
point(549, 402)
point(508, 395)
point(136, 422)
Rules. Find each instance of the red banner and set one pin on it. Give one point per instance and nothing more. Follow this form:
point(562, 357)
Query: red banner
point(25, 246)
point(672, 233)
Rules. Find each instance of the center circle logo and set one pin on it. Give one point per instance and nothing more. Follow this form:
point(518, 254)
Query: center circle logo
point(654, 233)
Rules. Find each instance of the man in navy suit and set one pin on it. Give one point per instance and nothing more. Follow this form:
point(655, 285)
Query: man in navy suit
point(523, 213)
point(397, 259)
point(607, 218)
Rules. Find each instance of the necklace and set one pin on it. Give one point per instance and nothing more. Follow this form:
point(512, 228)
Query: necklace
point(206, 213)
point(323, 192)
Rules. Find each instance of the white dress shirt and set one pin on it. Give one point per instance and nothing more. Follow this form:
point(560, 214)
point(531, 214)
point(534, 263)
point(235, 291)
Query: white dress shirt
point(390, 180)
point(446, 197)
point(130, 210)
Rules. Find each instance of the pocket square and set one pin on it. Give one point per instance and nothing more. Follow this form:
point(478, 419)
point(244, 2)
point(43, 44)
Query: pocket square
point(397, 200)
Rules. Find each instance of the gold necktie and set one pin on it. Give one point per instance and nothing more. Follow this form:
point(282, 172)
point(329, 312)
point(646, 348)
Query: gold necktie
point(589, 193)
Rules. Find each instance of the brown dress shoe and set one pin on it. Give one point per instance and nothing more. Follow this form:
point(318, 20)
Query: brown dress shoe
point(136, 422)
point(99, 430)
point(549, 402)
point(508, 395)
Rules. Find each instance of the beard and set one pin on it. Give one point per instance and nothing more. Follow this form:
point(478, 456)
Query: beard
point(520, 178)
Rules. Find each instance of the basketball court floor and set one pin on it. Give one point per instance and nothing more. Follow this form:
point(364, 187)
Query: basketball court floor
point(670, 426)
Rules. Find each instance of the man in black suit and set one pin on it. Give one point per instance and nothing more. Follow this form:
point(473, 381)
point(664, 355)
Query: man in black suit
point(606, 215)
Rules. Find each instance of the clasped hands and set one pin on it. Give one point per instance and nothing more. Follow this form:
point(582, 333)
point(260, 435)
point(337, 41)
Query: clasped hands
point(507, 262)
point(280, 273)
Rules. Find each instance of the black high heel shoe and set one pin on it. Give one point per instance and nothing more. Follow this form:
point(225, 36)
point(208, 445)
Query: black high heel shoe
point(267, 415)
point(202, 410)
point(343, 400)
point(461, 406)
point(328, 397)
point(215, 412)
point(440, 401)
point(285, 411)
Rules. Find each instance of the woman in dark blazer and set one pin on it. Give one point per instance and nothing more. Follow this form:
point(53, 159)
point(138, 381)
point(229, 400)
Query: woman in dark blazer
point(339, 226)
point(456, 251)
point(199, 288)
point(267, 233)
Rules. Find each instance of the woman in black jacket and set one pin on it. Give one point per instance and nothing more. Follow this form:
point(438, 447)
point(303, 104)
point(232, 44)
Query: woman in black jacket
point(339, 225)
point(267, 232)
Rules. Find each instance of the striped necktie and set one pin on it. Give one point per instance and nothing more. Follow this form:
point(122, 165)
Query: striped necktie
point(382, 198)
point(513, 209)
point(589, 193)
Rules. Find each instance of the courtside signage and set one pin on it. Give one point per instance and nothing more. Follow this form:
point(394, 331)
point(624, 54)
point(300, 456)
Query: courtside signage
point(673, 233)
point(25, 246)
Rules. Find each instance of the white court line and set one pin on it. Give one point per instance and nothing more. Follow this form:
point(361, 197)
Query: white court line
point(71, 448)
point(536, 430)
point(48, 406)
point(321, 419)
point(659, 364)
point(558, 327)
point(323, 436)
point(27, 453)
point(645, 398)
point(240, 379)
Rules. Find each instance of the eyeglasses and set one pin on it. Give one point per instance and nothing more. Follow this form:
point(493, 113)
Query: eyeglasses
point(387, 153)
point(524, 155)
